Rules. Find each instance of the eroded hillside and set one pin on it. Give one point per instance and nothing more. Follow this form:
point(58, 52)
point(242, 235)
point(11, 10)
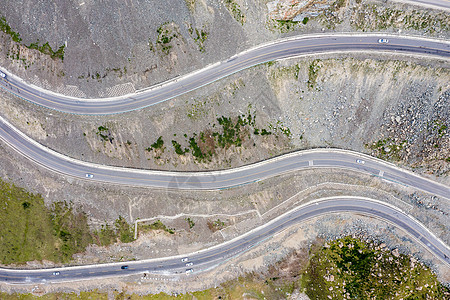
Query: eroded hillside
point(393, 109)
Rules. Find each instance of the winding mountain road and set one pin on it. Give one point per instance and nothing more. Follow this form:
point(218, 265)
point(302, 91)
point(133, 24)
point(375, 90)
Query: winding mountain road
point(209, 258)
point(214, 180)
point(326, 158)
point(276, 50)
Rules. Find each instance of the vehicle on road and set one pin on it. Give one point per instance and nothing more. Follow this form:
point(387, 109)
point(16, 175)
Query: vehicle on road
point(184, 259)
point(383, 41)
point(360, 161)
point(56, 273)
point(89, 175)
point(2, 75)
point(124, 267)
point(189, 264)
point(189, 271)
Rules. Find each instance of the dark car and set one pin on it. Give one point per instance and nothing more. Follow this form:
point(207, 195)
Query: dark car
point(124, 267)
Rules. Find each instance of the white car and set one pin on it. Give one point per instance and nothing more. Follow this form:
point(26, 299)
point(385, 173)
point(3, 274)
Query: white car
point(184, 259)
point(359, 161)
point(89, 175)
point(55, 273)
point(383, 41)
point(3, 75)
point(189, 271)
point(189, 264)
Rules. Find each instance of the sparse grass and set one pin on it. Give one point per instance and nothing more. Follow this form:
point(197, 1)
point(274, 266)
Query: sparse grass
point(346, 266)
point(45, 48)
point(232, 131)
point(235, 11)
point(4, 26)
point(199, 36)
point(285, 26)
point(56, 296)
point(375, 17)
point(313, 73)
point(216, 225)
point(190, 223)
point(330, 17)
point(104, 133)
point(159, 144)
point(157, 225)
point(387, 148)
point(165, 36)
point(72, 229)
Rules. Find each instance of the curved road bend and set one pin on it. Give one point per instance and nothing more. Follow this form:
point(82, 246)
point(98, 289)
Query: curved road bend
point(209, 258)
point(213, 180)
point(278, 50)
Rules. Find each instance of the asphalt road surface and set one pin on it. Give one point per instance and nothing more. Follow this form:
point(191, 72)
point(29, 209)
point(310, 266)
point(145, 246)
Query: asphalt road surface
point(209, 258)
point(277, 50)
point(214, 180)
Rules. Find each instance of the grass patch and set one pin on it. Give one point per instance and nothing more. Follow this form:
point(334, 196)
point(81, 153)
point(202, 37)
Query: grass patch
point(159, 144)
point(31, 231)
point(178, 149)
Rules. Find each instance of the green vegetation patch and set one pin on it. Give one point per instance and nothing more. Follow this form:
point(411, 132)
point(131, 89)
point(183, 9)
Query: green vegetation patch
point(349, 268)
point(159, 144)
point(104, 133)
point(72, 229)
point(227, 132)
point(165, 35)
point(47, 49)
point(30, 231)
point(108, 234)
point(199, 36)
point(4, 26)
point(190, 223)
point(387, 148)
point(178, 149)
